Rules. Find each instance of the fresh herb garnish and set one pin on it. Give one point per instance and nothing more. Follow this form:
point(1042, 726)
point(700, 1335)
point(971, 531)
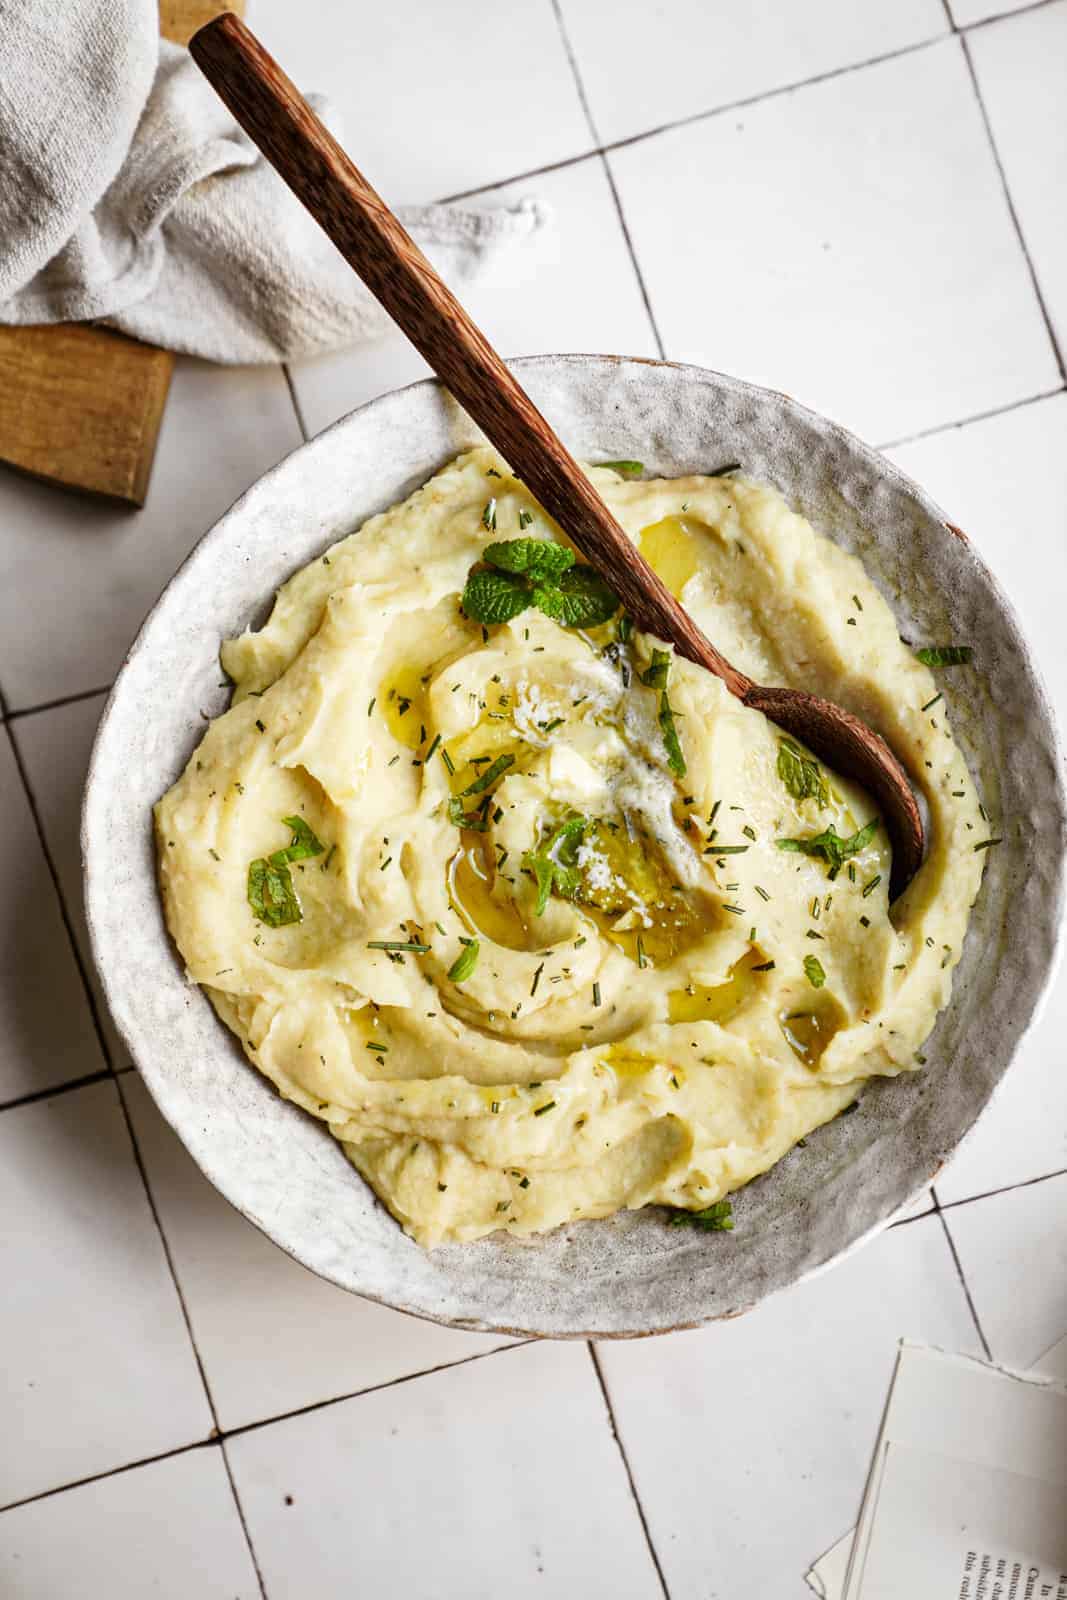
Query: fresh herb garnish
point(474, 821)
point(554, 863)
point(465, 962)
point(717, 1218)
point(813, 971)
point(536, 572)
point(801, 774)
point(490, 775)
point(834, 850)
point(987, 844)
point(413, 946)
point(945, 655)
point(625, 469)
point(270, 883)
point(655, 676)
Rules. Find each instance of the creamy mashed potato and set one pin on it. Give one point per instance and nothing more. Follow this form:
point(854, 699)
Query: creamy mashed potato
point(449, 890)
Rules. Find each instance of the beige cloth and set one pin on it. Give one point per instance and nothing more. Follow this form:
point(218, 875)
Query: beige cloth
point(129, 196)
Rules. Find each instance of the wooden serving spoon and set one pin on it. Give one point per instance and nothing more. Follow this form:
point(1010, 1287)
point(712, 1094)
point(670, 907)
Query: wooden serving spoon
point(320, 174)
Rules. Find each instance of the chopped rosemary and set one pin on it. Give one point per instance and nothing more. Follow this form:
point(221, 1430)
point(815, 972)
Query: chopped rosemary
point(412, 946)
point(539, 1111)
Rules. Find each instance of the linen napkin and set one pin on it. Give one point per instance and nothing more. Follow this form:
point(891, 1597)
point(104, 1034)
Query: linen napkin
point(129, 196)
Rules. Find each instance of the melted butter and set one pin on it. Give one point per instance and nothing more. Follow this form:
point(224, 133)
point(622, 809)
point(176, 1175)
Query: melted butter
point(405, 706)
point(673, 550)
point(628, 1064)
point(722, 1001)
point(490, 737)
point(627, 881)
point(809, 1031)
point(470, 889)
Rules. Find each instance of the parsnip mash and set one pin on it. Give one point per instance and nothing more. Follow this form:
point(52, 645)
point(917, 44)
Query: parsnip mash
point(536, 917)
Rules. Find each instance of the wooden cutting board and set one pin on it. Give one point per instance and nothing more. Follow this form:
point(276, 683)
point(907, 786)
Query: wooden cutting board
point(80, 405)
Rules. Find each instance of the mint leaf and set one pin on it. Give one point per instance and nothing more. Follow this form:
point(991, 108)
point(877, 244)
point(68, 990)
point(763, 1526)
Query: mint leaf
point(655, 676)
point(945, 655)
point(554, 863)
point(813, 971)
point(718, 1218)
point(474, 821)
point(271, 894)
point(625, 469)
point(675, 758)
point(540, 559)
point(829, 844)
point(801, 774)
point(465, 962)
point(586, 598)
point(494, 596)
point(304, 843)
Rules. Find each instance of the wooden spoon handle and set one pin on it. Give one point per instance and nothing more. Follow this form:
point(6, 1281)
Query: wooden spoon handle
point(320, 174)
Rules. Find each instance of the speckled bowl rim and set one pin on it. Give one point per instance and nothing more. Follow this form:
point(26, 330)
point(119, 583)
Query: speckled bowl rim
point(517, 1316)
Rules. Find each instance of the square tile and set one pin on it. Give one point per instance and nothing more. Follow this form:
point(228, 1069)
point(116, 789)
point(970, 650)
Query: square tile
point(323, 1342)
point(750, 1441)
point(1013, 1250)
point(46, 1029)
point(169, 1530)
point(966, 12)
point(434, 99)
point(98, 1368)
point(77, 576)
point(572, 287)
point(1019, 64)
point(638, 75)
point(55, 746)
point(848, 242)
point(496, 1478)
point(1004, 481)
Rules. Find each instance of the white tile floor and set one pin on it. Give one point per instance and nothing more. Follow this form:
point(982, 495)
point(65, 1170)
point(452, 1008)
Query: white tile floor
point(863, 204)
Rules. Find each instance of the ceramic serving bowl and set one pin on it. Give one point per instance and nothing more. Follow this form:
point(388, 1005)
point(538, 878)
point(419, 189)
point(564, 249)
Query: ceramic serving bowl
point(631, 1274)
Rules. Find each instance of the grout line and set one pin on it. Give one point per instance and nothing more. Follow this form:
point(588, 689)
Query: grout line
point(624, 142)
point(150, 1197)
point(110, 1472)
point(1003, 16)
point(1007, 1188)
point(57, 1089)
point(609, 175)
point(295, 398)
point(355, 1394)
point(1012, 212)
point(51, 705)
point(775, 94)
point(219, 1436)
point(638, 274)
point(594, 1357)
point(244, 1524)
point(946, 6)
point(521, 177)
point(964, 1285)
point(965, 422)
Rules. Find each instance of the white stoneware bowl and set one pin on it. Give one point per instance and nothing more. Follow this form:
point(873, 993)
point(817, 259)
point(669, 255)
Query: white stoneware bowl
point(631, 1274)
